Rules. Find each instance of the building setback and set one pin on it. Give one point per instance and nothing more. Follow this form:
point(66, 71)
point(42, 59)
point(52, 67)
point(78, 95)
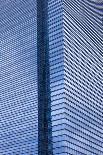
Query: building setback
point(51, 77)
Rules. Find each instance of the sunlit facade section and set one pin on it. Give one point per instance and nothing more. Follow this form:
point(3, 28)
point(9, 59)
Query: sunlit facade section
point(56, 60)
point(75, 49)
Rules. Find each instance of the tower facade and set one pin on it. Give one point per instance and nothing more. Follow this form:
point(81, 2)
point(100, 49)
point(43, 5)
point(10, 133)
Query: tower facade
point(50, 77)
point(75, 51)
point(18, 78)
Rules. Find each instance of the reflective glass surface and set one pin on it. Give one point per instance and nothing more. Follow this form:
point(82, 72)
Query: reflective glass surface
point(75, 50)
point(18, 78)
point(61, 39)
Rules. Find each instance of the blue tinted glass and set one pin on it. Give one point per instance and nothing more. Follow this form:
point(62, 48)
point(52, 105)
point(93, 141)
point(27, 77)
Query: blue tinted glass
point(18, 78)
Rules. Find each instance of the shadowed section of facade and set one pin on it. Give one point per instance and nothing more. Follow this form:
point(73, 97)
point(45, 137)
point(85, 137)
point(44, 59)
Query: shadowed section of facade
point(44, 104)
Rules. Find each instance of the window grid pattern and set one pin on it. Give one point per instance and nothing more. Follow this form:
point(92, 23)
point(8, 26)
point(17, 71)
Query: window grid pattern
point(75, 48)
point(56, 60)
point(18, 78)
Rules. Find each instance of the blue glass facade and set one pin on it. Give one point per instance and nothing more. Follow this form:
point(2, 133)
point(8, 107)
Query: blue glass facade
point(51, 77)
point(44, 101)
point(18, 78)
point(75, 49)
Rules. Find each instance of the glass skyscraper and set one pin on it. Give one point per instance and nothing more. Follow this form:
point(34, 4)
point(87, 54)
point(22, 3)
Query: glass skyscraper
point(51, 77)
